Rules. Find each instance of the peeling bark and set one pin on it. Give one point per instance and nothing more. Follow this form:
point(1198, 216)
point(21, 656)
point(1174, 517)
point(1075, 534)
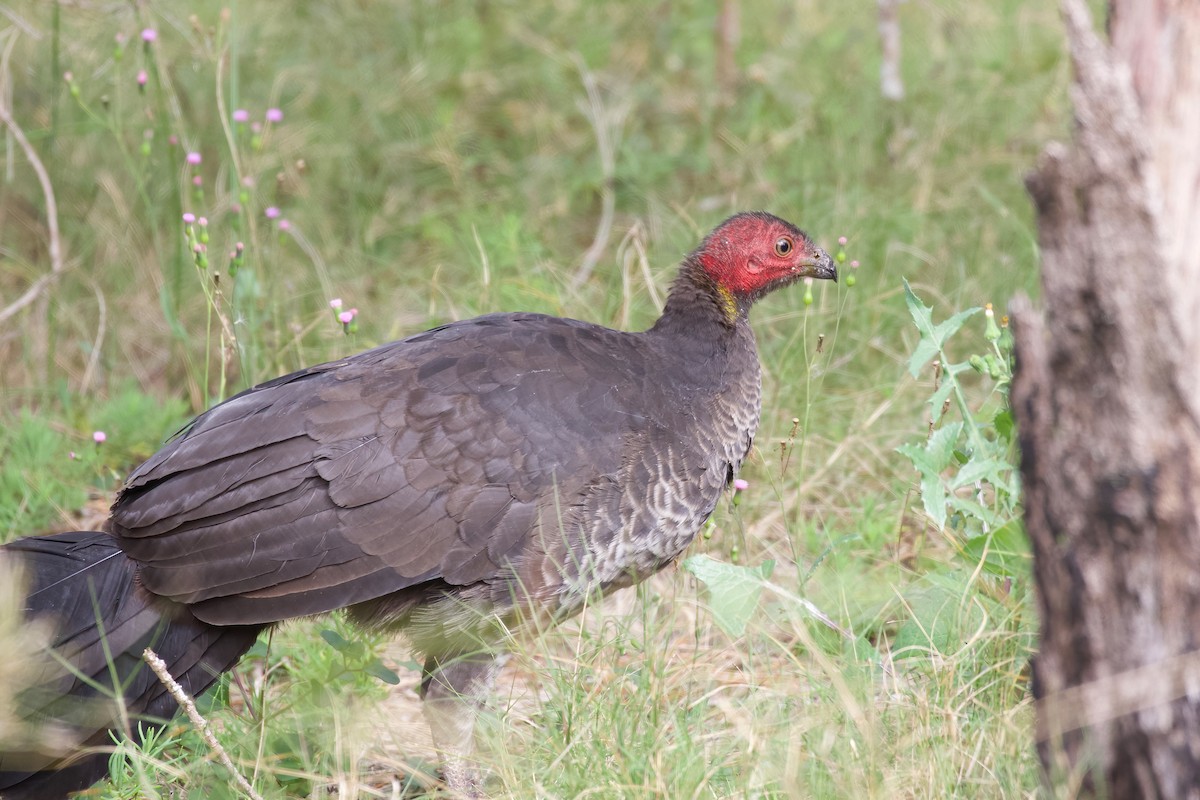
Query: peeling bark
point(1110, 434)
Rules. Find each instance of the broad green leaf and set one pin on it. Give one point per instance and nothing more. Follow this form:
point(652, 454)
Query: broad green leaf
point(335, 640)
point(1004, 551)
point(942, 619)
point(733, 591)
point(381, 671)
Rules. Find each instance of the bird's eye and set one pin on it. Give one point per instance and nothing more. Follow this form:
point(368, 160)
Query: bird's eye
point(783, 246)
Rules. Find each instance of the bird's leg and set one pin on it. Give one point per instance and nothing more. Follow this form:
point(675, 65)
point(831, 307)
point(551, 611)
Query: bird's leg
point(454, 690)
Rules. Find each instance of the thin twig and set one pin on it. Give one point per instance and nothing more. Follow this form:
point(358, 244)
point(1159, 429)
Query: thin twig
point(101, 326)
point(606, 123)
point(54, 244)
point(189, 707)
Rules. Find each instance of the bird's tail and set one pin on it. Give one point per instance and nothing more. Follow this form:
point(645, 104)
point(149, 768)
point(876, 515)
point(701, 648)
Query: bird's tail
point(85, 589)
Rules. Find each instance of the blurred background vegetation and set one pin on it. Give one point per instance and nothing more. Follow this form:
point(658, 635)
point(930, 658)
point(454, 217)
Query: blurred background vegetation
point(436, 160)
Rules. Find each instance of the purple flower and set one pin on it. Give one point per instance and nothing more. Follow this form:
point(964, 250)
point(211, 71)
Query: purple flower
point(241, 115)
point(197, 180)
point(272, 212)
point(842, 240)
point(189, 217)
point(149, 35)
point(203, 221)
point(142, 77)
point(71, 455)
point(193, 158)
point(274, 115)
point(335, 303)
point(284, 225)
point(740, 485)
point(99, 437)
point(346, 317)
point(854, 263)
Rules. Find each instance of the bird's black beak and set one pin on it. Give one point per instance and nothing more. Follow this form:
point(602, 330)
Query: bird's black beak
point(824, 267)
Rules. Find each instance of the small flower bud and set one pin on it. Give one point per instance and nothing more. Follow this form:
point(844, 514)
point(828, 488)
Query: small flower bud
point(99, 437)
point(991, 331)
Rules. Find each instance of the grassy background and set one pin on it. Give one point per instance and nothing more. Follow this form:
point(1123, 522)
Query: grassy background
point(439, 160)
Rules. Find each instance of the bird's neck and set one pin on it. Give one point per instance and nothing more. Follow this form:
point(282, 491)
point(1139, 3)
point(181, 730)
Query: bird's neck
point(697, 305)
point(706, 333)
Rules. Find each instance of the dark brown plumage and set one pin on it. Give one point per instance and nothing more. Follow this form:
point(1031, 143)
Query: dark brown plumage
point(449, 484)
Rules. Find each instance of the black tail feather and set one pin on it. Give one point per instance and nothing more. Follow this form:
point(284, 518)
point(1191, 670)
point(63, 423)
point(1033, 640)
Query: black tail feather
point(86, 586)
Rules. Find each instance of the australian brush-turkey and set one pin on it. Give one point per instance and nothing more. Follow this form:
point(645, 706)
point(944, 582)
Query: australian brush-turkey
point(452, 485)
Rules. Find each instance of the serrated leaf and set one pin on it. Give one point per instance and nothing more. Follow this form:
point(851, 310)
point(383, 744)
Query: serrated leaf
point(933, 337)
point(940, 447)
point(922, 316)
point(974, 509)
point(944, 330)
point(922, 354)
point(993, 470)
point(1004, 425)
point(938, 400)
point(733, 590)
point(933, 498)
point(917, 455)
point(931, 461)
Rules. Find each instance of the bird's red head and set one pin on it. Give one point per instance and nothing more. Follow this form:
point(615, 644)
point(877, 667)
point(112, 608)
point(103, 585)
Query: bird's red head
point(752, 253)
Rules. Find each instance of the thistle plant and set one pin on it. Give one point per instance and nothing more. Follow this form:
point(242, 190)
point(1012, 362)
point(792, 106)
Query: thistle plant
point(970, 484)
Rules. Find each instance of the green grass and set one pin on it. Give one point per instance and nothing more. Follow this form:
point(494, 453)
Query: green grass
point(439, 160)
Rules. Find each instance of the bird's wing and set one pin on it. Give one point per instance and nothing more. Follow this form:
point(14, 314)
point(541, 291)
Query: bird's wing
point(425, 459)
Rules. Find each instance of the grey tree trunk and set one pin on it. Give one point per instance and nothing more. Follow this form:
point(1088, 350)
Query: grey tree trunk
point(1106, 398)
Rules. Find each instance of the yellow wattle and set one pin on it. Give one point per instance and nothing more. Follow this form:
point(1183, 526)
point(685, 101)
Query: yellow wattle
point(728, 304)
